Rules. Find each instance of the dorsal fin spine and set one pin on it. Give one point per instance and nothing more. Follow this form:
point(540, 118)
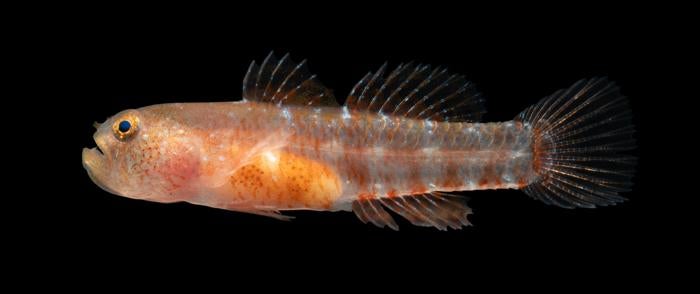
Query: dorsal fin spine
point(311, 78)
point(425, 82)
point(352, 98)
point(263, 65)
point(443, 100)
point(286, 80)
point(390, 79)
point(274, 75)
point(431, 94)
point(418, 69)
point(360, 101)
point(246, 79)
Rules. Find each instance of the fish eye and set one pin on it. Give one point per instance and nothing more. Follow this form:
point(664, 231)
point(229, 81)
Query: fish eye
point(125, 128)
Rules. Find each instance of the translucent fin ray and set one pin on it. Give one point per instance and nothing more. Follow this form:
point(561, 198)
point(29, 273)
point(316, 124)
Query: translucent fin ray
point(436, 209)
point(370, 210)
point(415, 91)
point(284, 82)
point(580, 133)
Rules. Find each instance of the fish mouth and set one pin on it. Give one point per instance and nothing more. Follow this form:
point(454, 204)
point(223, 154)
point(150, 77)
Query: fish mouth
point(93, 158)
point(95, 162)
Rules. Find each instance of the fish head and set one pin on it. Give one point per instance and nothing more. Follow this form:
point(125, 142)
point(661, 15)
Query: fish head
point(141, 154)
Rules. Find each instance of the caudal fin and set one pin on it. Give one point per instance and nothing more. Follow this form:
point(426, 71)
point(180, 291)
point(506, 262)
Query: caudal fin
point(579, 134)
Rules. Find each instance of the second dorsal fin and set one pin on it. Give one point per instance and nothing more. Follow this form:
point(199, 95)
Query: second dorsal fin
point(284, 82)
point(416, 91)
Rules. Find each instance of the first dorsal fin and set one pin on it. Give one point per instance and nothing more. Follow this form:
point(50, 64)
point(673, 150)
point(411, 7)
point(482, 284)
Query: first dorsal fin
point(416, 91)
point(436, 209)
point(284, 82)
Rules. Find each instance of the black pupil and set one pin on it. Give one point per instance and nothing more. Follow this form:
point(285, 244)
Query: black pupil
point(124, 126)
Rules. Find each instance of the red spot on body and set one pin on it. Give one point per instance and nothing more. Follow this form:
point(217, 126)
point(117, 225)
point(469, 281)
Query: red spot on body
point(483, 182)
point(366, 196)
point(521, 182)
point(392, 193)
point(497, 182)
point(357, 171)
point(450, 179)
point(419, 189)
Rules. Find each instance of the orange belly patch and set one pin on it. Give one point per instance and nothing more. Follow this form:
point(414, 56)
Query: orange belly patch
point(284, 180)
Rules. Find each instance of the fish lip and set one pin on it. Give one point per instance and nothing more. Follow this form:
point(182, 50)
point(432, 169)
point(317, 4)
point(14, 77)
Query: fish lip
point(97, 148)
point(96, 156)
point(101, 145)
point(94, 163)
point(93, 160)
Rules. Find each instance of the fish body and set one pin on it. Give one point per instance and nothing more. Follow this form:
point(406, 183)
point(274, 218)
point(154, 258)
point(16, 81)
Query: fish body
point(399, 142)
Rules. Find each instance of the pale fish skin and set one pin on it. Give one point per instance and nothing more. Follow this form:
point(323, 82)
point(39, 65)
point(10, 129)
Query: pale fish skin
point(401, 142)
point(248, 155)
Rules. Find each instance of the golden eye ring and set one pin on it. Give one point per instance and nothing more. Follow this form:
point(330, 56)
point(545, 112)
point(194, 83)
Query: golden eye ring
point(125, 128)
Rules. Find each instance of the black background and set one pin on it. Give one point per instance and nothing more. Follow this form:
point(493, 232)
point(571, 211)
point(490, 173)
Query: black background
point(100, 67)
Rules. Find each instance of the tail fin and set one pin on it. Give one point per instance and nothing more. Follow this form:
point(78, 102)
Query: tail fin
point(579, 133)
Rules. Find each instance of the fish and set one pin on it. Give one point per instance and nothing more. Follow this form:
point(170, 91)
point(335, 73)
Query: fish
point(402, 144)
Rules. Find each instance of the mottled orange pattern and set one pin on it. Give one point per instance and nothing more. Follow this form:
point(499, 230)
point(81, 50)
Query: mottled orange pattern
point(285, 180)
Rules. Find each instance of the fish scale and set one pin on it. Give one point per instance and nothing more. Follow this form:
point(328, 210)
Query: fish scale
point(482, 155)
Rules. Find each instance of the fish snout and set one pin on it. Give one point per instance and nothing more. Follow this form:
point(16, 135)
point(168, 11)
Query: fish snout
point(95, 163)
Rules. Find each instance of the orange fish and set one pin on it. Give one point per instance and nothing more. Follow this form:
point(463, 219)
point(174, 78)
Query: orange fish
point(400, 142)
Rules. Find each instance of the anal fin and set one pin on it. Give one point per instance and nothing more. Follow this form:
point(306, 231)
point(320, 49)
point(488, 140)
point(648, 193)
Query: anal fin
point(371, 210)
point(436, 209)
